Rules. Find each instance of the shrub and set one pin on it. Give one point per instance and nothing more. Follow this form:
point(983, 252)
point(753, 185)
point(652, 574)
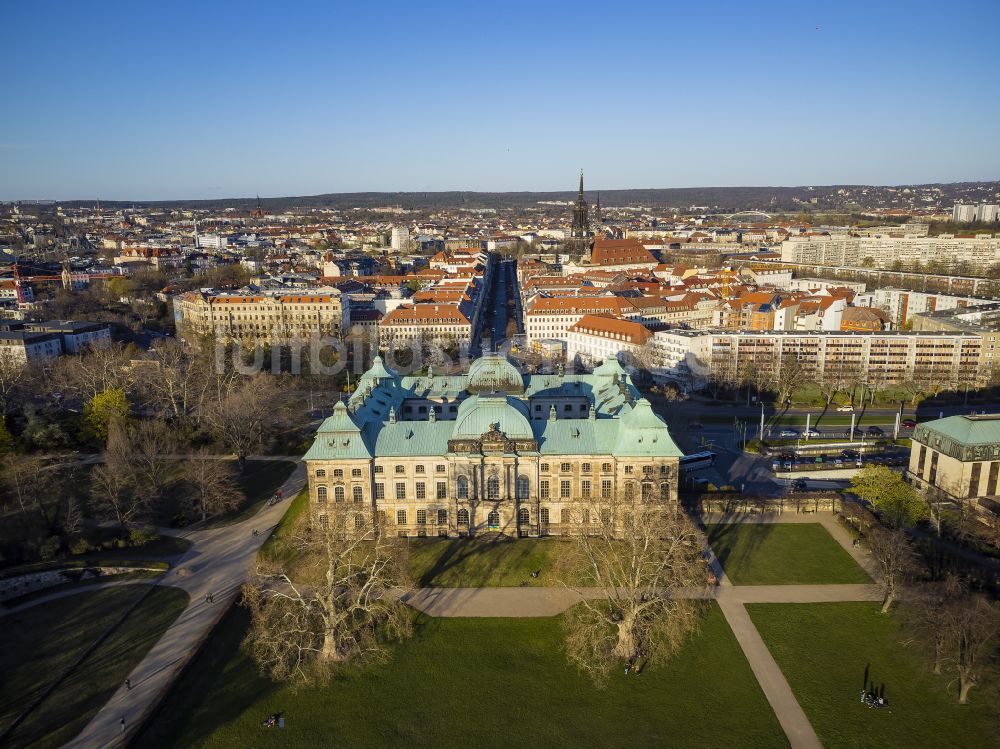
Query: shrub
point(48, 548)
point(142, 536)
point(80, 546)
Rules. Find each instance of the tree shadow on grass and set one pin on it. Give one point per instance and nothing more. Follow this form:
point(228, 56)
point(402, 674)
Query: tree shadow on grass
point(213, 690)
point(736, 544)
point(477, 561)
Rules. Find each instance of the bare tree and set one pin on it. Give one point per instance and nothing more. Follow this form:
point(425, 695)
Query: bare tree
point(891, 551)
point(211, 487)
point(114, 488)
point(175, 379)
point(975, 623)
point(646, 555)
point(932, 605)
point(152, 443)
point(243, 417)
point(95, 371)
point(13, 374)
point(301, 632)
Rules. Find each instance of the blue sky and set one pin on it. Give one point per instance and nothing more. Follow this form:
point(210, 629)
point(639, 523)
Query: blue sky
point(142, 100)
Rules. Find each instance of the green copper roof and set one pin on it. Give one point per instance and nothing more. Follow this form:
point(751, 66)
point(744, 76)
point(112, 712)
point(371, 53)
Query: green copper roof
point(374, 423)
point(492, 373)
point(966, 430)
point(478, 413)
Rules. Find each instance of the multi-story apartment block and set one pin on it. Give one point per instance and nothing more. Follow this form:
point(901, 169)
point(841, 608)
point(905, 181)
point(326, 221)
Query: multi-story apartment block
point(428, 323)
point(27, 347)
point(260, 317)
point(980, 252)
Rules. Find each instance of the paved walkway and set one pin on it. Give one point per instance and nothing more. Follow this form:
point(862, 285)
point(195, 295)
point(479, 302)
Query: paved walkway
point(217, 563)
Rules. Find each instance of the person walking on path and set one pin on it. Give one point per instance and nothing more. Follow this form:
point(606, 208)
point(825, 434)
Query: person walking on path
point(123, 724)
point(128, 685)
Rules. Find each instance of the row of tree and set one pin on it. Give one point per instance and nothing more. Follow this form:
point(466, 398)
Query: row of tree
point(962, 624)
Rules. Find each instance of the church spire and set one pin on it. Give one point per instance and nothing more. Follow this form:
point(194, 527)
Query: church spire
point(581, 184)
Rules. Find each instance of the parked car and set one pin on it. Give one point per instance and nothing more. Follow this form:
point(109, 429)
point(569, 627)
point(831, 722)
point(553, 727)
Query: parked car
point(787, 455)
point(695, 425)
point(875, 431)
point(908, 423)
point(819, 459)
point(799, 485)
point(788, 433)
point(838, 461)
point(787, 465)
point(850, 454)
point(845, 409)
point(812, 432)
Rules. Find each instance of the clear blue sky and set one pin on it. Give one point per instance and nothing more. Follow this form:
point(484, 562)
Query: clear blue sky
point(159, 100)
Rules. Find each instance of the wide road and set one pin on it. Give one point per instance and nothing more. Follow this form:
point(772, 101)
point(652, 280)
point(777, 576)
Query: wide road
point(504, 287)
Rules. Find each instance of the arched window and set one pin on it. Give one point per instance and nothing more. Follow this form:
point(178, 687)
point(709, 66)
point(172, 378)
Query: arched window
point(359, 521)
point(493, 488)
point(629, 491)
point(647, 492)
point(664, 490)
point(324, 520)
point(522, 487)
point(463, 517)
point(321, 495)
point(523, 516)
point(338, 493)
point(463, 489)
point(358, 493)
point(493, 520)
point(320, 472)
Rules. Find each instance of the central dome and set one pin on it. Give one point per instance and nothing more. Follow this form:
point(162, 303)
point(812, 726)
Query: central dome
point(479, 413)
point(493, 373)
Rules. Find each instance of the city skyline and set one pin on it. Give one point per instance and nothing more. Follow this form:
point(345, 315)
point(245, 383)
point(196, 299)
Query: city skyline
point(227, 101)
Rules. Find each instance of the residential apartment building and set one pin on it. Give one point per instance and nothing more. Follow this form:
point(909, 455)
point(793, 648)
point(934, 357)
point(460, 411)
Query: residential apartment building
point(595, 338)
point(407, 324)
point(551, 317)
point(27, 347)
point(980, 252)
point(260, 317)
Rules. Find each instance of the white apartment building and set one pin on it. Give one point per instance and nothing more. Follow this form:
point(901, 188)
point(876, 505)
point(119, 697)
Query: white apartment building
point(963, 212)
point(551, 317)
point(400, 239)
point(27, 347)
point(901, 304)
point(981, 251)
point(596, 338)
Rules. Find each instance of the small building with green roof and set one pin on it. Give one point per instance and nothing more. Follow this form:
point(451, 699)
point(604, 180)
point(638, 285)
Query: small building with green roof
point(958, 458)
point(490, 451)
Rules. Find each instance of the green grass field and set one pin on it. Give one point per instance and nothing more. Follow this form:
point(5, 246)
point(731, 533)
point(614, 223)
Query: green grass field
point(782, 554)
point(824, 649)
point(474, 683)
point(470, 563)
point(41, 642)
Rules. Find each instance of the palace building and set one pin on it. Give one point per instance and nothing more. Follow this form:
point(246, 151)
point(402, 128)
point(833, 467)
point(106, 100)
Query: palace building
point(489, 451)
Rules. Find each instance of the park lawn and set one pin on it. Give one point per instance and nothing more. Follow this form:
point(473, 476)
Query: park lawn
point(43, 641)
point(782, 554)
point(472, 563)
point(473, 683)
point(823, 650)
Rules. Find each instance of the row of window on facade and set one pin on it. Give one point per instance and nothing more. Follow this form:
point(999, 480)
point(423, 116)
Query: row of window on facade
point(522, 490)
point(647, 470)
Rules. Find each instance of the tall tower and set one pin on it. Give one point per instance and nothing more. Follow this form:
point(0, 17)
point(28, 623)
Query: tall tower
point(597, 211)
point(581, 220)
